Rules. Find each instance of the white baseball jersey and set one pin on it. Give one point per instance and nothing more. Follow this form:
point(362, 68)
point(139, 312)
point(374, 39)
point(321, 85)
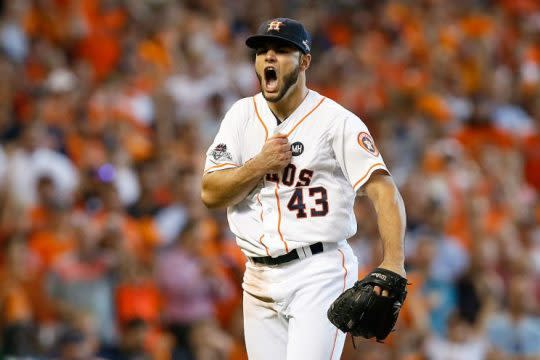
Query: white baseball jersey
point(311, 200)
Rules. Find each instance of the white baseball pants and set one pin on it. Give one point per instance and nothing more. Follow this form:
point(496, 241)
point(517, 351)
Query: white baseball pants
point(285, 306)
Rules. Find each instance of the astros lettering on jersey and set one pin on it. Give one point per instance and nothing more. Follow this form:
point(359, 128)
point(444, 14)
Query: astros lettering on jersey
point(311, 200)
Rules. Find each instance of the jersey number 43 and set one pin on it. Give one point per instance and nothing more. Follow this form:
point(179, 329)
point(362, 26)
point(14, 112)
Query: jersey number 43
point(296, 202)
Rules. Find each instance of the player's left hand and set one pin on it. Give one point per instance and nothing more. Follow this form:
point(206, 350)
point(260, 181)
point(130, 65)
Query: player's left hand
point(398, 268)
point(362, 312)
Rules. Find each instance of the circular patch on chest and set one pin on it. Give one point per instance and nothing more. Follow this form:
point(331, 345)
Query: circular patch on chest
point(297, 148)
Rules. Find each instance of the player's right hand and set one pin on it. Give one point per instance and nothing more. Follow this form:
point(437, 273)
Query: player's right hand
point(275, 154)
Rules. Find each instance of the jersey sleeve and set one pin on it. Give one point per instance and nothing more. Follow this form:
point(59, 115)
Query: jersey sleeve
point(356, 152)
point(224, 153)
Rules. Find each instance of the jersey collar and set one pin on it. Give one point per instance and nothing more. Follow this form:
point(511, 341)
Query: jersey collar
point(306, 107)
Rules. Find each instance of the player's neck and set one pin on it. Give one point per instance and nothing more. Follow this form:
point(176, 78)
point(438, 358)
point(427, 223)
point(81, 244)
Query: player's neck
point(286, 106)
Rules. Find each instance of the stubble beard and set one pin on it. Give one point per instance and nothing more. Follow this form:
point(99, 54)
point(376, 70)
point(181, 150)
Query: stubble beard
point(288, 81)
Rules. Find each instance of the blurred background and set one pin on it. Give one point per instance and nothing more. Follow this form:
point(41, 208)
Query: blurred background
point(107, 108)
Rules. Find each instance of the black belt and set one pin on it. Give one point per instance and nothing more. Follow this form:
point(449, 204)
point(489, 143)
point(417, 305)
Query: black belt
point(290, 256)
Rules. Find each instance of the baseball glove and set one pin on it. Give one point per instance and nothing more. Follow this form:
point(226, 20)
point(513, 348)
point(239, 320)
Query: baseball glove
point(362, 312)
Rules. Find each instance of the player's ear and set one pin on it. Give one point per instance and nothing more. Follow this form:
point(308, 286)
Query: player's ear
point(305, 61)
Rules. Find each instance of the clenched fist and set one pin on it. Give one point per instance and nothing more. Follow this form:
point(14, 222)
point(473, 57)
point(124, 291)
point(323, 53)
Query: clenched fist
point(275, 154)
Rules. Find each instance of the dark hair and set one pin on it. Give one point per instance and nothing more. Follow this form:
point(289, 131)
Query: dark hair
point(71, 336)
point(135, 323)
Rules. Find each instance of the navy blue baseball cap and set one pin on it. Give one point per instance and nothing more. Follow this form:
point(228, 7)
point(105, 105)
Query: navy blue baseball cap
point(288, 30)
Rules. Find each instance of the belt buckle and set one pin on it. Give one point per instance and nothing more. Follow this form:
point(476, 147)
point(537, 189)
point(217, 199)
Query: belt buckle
point(303, 252)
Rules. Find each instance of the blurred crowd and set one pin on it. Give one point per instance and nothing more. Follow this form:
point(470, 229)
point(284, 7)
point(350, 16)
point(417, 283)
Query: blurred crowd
point(107, 108)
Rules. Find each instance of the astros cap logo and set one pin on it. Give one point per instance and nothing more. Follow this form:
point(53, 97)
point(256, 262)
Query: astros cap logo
point(306, 45)
point(274, 25)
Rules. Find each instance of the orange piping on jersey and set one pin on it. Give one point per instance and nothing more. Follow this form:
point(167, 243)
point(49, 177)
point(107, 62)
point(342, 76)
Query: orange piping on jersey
point(265, 247)
point(305, 117)
point(344, 286)
point(344, 269)
point(367, 173)
point(279, 219)
point(259, 201)
point(260, 119)
point(220, 165)
point(261, 216)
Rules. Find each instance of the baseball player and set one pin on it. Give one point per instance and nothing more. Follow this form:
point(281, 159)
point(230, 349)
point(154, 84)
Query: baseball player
point(288, 163)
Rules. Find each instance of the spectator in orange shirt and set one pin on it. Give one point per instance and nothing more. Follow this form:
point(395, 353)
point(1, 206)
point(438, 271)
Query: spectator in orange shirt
point(46, 193)
point(101, 44)
point(121, 231)
point(531, 150)
point(56, 239)
point(19, 291)
point(137, 295)
point(479, 133)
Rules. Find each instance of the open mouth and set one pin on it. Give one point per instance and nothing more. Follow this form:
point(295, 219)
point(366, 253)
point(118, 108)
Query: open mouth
point(270, 79)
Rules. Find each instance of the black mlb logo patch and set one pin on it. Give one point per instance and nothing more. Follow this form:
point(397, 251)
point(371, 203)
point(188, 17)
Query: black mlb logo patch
point(297, 148)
